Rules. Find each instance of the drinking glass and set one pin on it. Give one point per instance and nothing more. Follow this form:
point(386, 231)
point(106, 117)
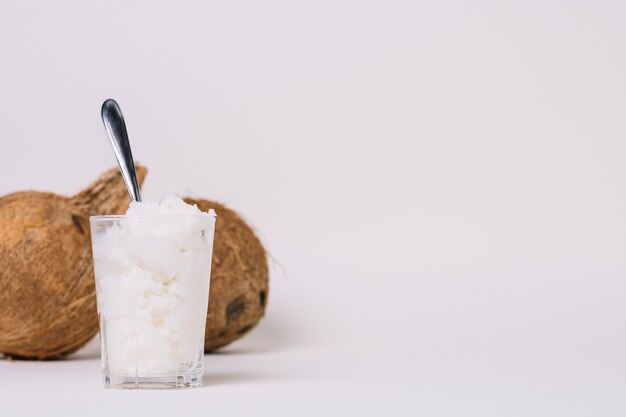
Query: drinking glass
point(152, 278)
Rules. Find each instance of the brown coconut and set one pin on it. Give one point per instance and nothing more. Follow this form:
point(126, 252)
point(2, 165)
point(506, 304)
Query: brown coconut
point(47, 291)
point(239, 278)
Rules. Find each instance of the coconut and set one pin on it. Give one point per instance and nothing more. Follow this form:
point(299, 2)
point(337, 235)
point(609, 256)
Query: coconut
point(239, 278)
point(47, 291)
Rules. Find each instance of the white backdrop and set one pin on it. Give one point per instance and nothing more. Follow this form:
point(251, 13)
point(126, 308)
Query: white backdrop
point(441, 184)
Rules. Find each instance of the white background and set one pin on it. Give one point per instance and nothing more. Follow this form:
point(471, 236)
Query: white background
point(442, 186)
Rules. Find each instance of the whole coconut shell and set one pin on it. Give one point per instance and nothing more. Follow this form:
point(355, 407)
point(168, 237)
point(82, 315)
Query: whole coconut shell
point(239, 278)
point(47, 291)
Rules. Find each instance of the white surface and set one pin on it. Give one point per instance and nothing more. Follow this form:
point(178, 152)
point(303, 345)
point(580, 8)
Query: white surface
point(442, 184)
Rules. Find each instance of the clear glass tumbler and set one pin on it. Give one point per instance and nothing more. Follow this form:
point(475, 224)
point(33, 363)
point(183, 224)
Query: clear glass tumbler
point(152, 288)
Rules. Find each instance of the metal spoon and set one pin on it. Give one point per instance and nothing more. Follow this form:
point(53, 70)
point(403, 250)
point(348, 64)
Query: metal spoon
point(116, 129)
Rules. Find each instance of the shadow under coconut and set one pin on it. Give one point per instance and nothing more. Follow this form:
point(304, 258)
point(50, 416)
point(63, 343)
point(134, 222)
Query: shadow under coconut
point(271, 335)
point(216, 379)
point(88, 352)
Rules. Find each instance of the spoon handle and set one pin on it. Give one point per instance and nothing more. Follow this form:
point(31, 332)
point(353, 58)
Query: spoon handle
point(116, 129)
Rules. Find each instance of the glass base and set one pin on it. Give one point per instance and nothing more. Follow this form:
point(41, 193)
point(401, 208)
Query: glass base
point(190, 379)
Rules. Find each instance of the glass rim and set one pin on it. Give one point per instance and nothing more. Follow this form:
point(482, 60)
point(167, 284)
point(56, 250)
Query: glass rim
point(209, 215)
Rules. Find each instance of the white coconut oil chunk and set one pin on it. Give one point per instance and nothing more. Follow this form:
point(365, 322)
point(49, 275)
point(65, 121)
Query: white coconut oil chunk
point(152, 271)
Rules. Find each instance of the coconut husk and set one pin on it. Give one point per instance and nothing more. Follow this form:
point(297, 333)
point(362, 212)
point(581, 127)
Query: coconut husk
point(47, 291)
point(239, 278)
